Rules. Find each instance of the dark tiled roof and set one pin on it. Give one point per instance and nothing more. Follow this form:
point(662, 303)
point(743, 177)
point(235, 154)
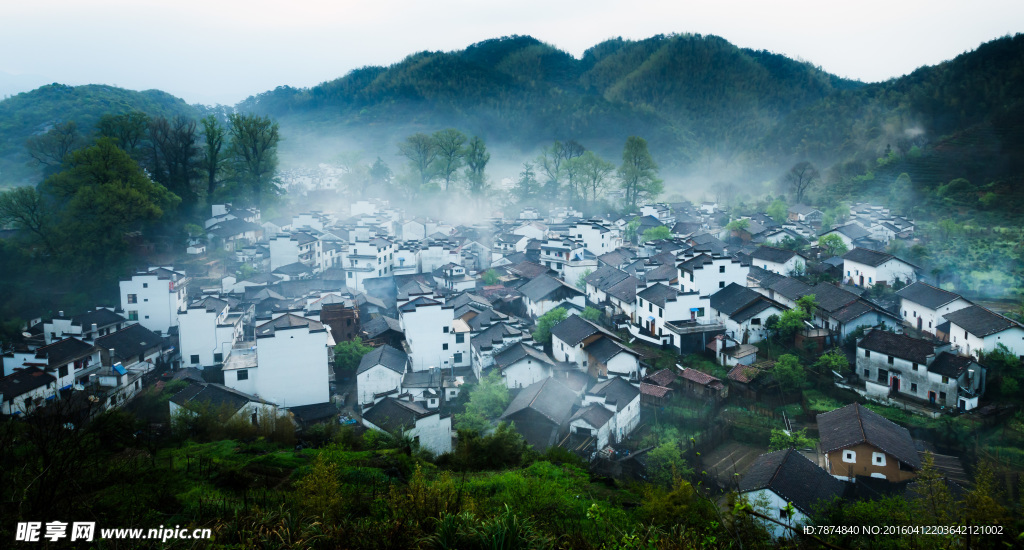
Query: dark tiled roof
point(854, 424)
point(417, 302)
point(654, 390)
point(297, 268)
point(950, 364)
point(625, 290)
point(574, 330)
point(130, 341)
point(594, 414)
point(313, 413)
point(604, 348)
point(927, 295)
point(64, 351)
point(101, 317)
point(867, 257)
point(791, 288)
point(24, 380)
point(663, 272)
point(545, 286)
point(658, 294)
point(700, 377)
point(605, 277)
point(517, 352)
point(852, 311)
point(215, 395)
point(772, 254)
point(528, 270)
point(832, 298)
point(616, 389)
point(793, 477)
point(287, 321)
point(549, 397)
point(898, 345)
point(493, 335)
point(733, 298)
point(385, 355)
point(393, 415)
point(210, 304)
point(379, 325)
point(979, 321)
point(664, 377)
point(852, 230)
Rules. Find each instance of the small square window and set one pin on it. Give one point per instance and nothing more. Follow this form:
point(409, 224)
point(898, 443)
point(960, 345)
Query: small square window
point(892, 360)
point(218, 357)
point(145, 285)
point(913, 387)
point(243, 375)
point(721, 284)
point(444, 329)
point(721, 269)
point(195, 359)
point(444, 346)
point(867, 353)
point(942, 395)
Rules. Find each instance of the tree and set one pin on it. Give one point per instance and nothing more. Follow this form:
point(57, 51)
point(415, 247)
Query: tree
point(347, 355)
point(526, 187)
point(789, 372)
point(491, 277)
point(638, 173)
point(546, 322)
point(781, 439)
point(451, 153)
point(213, 157)
point(421, 150)
point(800, 178)
point(53, 147)
point(581, 281)
point(174, 154)
point(778, 211)
point(656, 233)
point(487, 401)
point(254, 142)
point(832, 244)
point(477, 158)
point(666, 465)
point(591, 314)
point(593, 172)
point(25, 209)
point(127, 130)
point(739, 225)
point(834, 360)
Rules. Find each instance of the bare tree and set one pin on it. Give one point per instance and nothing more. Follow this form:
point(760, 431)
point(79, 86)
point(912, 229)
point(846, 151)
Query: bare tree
point(421, 150)
point(451, 153)
point(25, 209)
point(800, 178)
point(53, 147)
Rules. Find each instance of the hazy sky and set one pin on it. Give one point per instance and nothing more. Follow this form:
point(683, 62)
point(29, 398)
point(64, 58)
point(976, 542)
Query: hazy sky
point(212, 51)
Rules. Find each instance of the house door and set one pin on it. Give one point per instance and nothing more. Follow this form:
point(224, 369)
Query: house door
point(931, 397)
point(650, 327)
point(920, 322)
point(894, 384)
point(693, 315)
point(861, 280)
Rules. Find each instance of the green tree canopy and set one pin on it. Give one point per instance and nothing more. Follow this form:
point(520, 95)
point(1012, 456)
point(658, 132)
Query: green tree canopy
point(347, 355)
point(546, 322)
point(789, 372)
point(638, 173)
point(833, 244)
point(656, 233)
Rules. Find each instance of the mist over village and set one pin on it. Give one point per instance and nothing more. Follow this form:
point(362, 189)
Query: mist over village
point(663, 292)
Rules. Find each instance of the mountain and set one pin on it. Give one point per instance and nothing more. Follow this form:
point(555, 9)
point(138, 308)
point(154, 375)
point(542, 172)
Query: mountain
point(29, 113)
point(707, 107)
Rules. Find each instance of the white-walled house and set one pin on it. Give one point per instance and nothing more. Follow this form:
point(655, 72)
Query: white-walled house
point(70, 361)
point(707, 273)
point(744, 311)
point(86, 326)
point(896, 366)
point(623, 400)
point(427, 323)
point(428, 428)
point(207, 331)
point(135, 347)
point(291, 363)
point(596, 237)
point(781, 478)
point(659, 304)
point(976, 329)
point(521, 365)
point(866, 268)
point(544, 293)
point(22, 391)
point(778, 260)
point(925, 307)
point(379, 374)
point(197, 396)
point(153, 298)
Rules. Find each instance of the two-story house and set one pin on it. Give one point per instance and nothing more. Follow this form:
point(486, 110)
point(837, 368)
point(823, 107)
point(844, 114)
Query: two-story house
point(708, 273)
point(153, 298)
point(866, 268)
point(924, 306)
point(860, 442)
point(207, 331)
point(976, 329)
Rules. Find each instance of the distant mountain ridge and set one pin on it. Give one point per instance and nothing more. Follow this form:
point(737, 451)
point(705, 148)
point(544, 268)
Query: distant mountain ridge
point(701, 102)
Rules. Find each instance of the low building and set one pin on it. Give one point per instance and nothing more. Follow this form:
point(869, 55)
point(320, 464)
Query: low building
point(379, 374)
point(429, 429)
point(859, 442)
point(782, 478)
point(541, 412)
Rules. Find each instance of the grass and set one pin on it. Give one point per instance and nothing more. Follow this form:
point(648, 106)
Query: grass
point(818, 402)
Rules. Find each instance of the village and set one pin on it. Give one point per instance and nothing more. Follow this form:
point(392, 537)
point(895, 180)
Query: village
point(613, 337)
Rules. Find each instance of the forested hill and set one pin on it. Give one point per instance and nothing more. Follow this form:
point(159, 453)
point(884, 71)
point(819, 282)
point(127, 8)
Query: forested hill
point(31, 113)
point(684, 93)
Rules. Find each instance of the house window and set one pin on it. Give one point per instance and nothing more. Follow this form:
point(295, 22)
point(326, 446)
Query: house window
point(878, 459)
point(892, 359)
point(721, 269)
point(218, 357)
point(867, 373)
point(942, 396)
point(783, 513)
point(133, 299)
point(460, 338)
point(349, 275)
point(444, 329)
point(457, 358)
point(721, 284)
point(195, 359)
point(913, 366)
point(867, 353)
point(913, 387)
point(849, 456)
point(242, 375)
point(145, 285)
point(755, 321)
point(444, 346)
point(945, 380)
point(63, 371)
point(883, 376)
